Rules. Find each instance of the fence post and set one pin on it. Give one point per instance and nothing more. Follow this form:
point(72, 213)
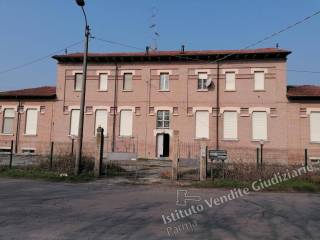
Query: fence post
point(305, 157)
point(99, 152)
point(51, 154)
point(203, 162)
point(261, 154)
point(11, 154)
point(175, 155)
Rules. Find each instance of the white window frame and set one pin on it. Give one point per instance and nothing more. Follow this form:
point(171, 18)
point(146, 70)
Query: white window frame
point(77, 122)
point(230, 86)
point(161, 121)
point(28, 125)
point(202, 81)
point(313, 127)
point(124, 124)
point(6, 118)
point(103, 124)
point(106, 83)
point(78, 87)
point(202, 127)
point(253, 127)
point(234, 135)
point(124, 87)
point(164, 81)
point(256, 74)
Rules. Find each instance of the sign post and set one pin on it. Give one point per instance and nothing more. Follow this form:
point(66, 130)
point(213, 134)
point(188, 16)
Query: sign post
point(218, 155)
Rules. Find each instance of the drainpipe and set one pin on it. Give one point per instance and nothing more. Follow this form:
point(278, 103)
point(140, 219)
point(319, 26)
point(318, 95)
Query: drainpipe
point(218, 106)
point(18, 126)
point(115, 103)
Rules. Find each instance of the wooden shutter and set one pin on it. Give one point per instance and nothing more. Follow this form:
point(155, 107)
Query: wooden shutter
point(230, 125)
point(101, 120)
point(8, 121)
point(230, 81)
point(202, 124)
point(315, 126)
point(74, 122)
point(103, 82)
point(126, 123)
point(259, 81)
point(31, 122)
point(259, 126)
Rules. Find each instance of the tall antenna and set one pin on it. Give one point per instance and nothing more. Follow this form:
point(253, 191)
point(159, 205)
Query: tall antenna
point(153, 28)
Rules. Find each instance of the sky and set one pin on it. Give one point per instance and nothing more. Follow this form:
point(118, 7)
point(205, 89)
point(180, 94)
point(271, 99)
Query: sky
point(35, 29)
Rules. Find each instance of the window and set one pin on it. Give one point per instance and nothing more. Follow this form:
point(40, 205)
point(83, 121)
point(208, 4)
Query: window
point(103, 82)
point(74, 122)
point(126, 123)
point(258, 81)
point(163, 119)
point(101, 121)
point(78, 81)
point(259, 126)
point(230, 81)
point(202, 81)
point(31, 122)
point(315, 126)
point(202, 124)
point(127, 81)
point(8, 119)
point(230, 125)
point(164, 81)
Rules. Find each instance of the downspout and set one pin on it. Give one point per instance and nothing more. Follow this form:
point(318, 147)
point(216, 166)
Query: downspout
point(18, 126)
point(218, 106)
point(115, 103)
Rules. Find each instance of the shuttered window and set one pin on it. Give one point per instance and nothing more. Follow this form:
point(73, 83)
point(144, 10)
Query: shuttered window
point(127, 81)
point(315, 126)
point(163, 119)
point(230, 81)
point(230, 125)
point(74, 122)
point(126, 118)
point(164, 81)
point(103, 82)
point(259, 126)
point(202, 124)
point(78, 81)
point(101, 121)
point(258, 80)
point(8, 119)
point(31, 122)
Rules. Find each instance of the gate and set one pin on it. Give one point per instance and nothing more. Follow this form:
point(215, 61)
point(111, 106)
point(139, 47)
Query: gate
point(189, 161)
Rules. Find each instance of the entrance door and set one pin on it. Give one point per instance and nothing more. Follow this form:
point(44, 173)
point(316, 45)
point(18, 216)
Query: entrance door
point(163, 145)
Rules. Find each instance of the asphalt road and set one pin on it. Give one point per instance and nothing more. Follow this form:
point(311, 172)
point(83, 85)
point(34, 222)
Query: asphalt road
point(38, 210)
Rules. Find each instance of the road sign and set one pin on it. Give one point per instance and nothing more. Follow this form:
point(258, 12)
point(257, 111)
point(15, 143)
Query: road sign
point(218, 155)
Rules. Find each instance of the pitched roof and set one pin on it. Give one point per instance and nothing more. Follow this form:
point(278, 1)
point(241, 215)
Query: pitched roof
point(30, 93)
point(204, 55)
point(304, 91)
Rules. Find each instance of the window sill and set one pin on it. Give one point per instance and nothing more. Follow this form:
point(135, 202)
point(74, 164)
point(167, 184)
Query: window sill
point(30, 135)
point(127, 90)
point(314, 142)
point(203, 139)
point(77, 91)
point(72, 136)
point(163, 90)
point(202, 90)
point(125, 136)
point(258, 141)
point(244, 115)
point(262, 90)
point(231, 140)
point(102, 90)
point(230, 90)
point(6, 134)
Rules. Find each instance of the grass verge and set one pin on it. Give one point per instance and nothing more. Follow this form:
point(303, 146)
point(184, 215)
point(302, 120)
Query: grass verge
point(36, 173)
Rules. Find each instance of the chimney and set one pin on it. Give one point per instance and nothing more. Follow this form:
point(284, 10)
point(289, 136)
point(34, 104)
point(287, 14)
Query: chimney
point(182, 49)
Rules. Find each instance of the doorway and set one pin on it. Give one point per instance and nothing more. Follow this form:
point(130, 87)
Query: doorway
point(163, 145)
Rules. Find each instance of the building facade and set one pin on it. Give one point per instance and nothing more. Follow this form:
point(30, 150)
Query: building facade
point(234, 100)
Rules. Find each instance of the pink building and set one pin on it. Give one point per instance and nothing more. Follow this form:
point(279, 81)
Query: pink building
point(234, 100)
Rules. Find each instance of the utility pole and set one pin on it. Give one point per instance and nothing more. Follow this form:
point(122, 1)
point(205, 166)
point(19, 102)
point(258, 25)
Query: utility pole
point(81, 3)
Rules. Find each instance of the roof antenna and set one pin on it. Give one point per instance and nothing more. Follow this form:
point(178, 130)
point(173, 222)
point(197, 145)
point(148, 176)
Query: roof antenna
point(66, 51)
point(182, 49)
point(277, 45)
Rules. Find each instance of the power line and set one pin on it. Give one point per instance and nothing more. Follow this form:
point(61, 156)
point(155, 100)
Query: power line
point(117, 43)
point(39, 59)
